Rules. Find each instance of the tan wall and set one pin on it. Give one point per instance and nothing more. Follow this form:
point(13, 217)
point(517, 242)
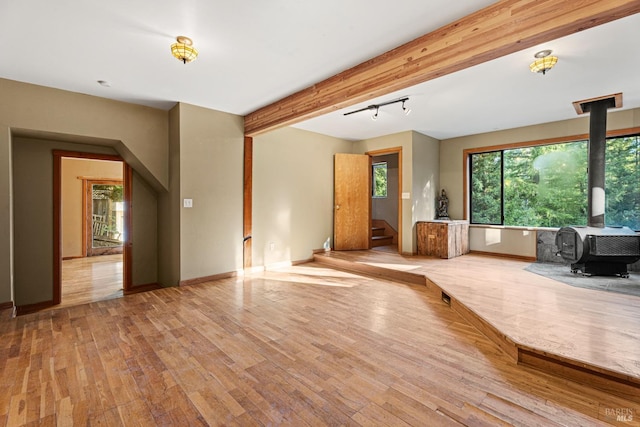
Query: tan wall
point(451, 162)
point(6, 216)
point(71, 196)
point(139, 134)
point(426, 177)
point(292, 194)
point(211, 173)
point(169, 210)
point(501, 240)
point(144, 236)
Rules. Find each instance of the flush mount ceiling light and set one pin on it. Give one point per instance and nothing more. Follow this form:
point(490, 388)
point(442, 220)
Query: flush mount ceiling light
point(376, 107)
point(544, 62)
point(183, 49)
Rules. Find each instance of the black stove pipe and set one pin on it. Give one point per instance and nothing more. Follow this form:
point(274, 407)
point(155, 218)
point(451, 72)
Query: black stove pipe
point(596, 165)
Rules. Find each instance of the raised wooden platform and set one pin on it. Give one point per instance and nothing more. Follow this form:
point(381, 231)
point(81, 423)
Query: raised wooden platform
point(589, 336)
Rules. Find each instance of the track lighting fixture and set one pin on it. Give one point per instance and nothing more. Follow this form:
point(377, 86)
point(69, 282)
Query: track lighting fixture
point(376, 107)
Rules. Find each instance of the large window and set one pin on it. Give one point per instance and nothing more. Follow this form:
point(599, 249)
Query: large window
point(546, 185)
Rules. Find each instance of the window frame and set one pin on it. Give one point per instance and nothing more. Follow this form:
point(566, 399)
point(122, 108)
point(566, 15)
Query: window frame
point(470, 168)
point(374, 166)
point(466, 158)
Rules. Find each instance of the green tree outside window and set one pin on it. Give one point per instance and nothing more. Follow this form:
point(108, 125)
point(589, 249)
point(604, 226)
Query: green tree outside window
point(380, 179)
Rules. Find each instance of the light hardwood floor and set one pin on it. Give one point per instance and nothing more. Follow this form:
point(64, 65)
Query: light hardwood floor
point(300, 346)
point(91, 279)
point(586, 327)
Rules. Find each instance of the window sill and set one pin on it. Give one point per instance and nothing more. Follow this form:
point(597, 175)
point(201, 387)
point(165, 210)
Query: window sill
point(513, 227)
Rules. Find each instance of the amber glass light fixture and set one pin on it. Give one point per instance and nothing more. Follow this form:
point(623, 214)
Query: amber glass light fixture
point(183, 49)
point(544, 62)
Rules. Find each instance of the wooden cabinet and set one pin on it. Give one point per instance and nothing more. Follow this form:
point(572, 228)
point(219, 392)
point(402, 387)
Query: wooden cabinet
point(444, 239)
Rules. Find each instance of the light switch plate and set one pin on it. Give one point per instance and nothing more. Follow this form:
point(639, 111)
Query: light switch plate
point(188, 203)
point(406, 195)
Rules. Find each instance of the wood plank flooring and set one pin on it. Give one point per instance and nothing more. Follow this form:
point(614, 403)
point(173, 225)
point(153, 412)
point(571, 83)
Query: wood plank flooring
point(587, 327)
point(301, 346)
point(91, 279)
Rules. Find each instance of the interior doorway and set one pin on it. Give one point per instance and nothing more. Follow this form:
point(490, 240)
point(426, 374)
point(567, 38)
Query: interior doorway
point(386, 199)
point(92, 225)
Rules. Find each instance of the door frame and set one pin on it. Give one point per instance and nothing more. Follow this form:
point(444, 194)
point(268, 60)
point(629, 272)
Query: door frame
point(247, 204)
point(127, 191)
point(383, 152)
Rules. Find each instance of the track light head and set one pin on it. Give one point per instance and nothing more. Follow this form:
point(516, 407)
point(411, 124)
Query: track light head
point(406, 110)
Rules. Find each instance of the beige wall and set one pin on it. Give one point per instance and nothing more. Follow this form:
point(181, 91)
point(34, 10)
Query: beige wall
point(71, 195)
point(292, 194)
point(425, 184)
point(6, 216)
point(211, 148)
point(170, 208)
point(139, 134)
point(144, 236)
point(506, 241)
point(513, 241)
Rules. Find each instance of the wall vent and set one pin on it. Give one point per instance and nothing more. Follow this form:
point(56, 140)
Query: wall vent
point(446, 299)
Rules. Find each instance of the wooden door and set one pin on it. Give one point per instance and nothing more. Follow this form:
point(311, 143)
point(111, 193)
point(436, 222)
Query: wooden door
point(352, 202)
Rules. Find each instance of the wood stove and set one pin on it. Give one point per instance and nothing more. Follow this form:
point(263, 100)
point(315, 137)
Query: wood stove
point(599, 251)
point(596, 249)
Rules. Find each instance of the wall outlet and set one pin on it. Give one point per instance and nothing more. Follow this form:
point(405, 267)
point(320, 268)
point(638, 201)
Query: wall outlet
point(188, 203)
point(272, 246)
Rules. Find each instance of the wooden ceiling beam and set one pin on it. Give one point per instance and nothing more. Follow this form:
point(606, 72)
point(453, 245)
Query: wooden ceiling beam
point(502, 28)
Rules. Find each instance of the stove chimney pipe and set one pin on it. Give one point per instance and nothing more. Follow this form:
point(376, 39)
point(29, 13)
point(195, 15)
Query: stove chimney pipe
point(596, 160)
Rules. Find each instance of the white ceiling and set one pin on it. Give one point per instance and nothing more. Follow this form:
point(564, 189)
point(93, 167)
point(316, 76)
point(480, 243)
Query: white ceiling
point(255, 52)
point(503, 93)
